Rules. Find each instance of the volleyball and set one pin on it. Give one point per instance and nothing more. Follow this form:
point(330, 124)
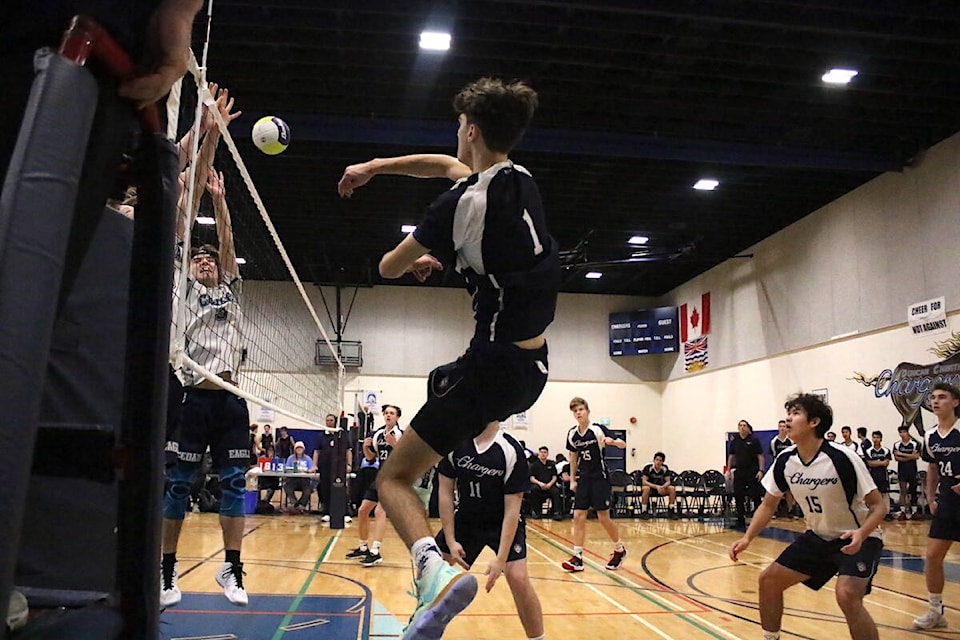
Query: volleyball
point(271, 135)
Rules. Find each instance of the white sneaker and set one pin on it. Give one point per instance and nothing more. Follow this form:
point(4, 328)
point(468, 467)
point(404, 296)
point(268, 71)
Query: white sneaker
point(325, 519)
point(230, 577)
point(347, 519)
point(170, 588)
point(930, 620)
point(18, 611)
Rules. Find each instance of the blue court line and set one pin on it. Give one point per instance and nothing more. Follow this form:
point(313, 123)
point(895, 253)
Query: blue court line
point(888, 557)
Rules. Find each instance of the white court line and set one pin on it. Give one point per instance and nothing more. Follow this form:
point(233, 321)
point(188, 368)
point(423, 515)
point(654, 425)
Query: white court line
point(336, 538)
point(767, 560)
point(607, 598)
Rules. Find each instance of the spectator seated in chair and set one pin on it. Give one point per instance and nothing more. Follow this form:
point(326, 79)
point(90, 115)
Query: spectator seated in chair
point(658, 481)
point(299, 462)
point(543, 476)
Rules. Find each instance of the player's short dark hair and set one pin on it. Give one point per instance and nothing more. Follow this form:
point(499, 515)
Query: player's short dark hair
point(746, 422)
point(877, 433)
point(846, 427)
point(501, 111)
point(862, 431)
point(544, 448)
point(814, 407)
point(577, 401)
point(782, 422)
point(387, 406)
point(953, 390)
point(903, 428)
point(661, 455)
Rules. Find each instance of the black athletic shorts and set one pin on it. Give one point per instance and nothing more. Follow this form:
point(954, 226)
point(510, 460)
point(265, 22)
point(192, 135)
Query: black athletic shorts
point(822, 559)
point(487, 383)
point(174, 402)
point(592, 492)
point(473, 538)
point(946, 521)
point(216, 418)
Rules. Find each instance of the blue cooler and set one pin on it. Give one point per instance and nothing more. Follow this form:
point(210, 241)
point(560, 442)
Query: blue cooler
point(250, 502)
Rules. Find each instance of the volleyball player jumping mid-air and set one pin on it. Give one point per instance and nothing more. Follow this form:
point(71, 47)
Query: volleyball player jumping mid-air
point(491, 228)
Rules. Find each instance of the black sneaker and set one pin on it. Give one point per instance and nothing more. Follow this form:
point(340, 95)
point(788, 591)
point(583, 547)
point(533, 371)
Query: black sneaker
point(359, 552)
point(617, 559)
point(371, 559)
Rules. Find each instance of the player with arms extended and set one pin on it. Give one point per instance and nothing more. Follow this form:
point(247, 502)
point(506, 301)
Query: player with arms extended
point(491, 227)
point(842, 509)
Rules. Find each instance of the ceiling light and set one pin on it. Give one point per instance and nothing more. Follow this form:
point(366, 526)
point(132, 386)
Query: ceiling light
point(205, 220)
point(593, 275)
point(408, 228)
point(241, 260)
point(639, 240)
point(706, 184)
point(839, 76)
point(434, 41)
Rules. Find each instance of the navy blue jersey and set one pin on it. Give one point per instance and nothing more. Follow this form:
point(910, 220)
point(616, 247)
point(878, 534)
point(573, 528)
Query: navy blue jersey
point(776, 446)
point(484, 477)
point(910, 447)
point(879, 474)
point(945, 452)
point(589, 449)
point(654, 476)
point(491, 228)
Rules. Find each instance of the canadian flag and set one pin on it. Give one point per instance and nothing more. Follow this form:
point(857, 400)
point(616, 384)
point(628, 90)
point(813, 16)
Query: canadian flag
point(695, 319)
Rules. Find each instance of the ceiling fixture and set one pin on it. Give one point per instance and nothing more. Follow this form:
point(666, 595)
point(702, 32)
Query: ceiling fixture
point(205, 220)
point(408, 228)
point(434, 41)
point(639, 240)
point(241, 260)
point(593, 275)
point(839, 76)
point(706, 184)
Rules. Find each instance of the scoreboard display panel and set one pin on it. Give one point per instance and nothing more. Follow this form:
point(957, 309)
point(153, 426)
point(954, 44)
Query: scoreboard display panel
point(644, 332)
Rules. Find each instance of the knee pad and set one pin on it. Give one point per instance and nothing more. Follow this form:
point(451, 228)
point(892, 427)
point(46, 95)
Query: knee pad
point(176, 498)
point(233, 489)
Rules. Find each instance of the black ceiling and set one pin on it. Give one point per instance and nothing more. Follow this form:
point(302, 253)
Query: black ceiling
point(639, 99)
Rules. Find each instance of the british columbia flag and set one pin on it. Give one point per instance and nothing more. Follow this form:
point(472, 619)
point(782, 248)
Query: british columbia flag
point(695, 354)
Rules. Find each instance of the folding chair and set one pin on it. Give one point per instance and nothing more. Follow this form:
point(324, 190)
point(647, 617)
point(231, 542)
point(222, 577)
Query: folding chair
point(715, 484)
point(691, 494)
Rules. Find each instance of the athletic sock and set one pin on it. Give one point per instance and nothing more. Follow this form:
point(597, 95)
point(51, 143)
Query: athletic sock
point(618, 545)
point(425, 554)
point(578, 551)
point(771, 635)
point(936, 602)
point(541, 637)
point(232, 556)
point(168, 560)
point(363, 545)
point(375, 548)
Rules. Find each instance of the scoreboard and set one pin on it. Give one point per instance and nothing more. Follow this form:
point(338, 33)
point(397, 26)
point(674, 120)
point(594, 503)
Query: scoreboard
point(646, 331)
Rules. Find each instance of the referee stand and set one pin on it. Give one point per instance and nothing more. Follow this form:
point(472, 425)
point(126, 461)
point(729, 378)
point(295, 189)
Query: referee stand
point(85, 307)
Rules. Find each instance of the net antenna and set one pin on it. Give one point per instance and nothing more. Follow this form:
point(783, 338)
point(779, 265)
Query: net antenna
point(271, 346)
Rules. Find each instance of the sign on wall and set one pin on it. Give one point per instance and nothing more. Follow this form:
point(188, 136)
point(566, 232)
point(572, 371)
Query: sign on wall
point(928, 317)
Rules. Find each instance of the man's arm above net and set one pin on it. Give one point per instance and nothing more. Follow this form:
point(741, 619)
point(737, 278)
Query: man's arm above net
point(221, 212)
point(422, 165)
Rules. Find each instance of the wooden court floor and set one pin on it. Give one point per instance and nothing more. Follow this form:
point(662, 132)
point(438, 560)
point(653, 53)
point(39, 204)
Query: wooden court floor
point(677, 583)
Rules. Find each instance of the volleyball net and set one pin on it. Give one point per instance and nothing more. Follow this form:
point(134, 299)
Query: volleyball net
point(239, 305)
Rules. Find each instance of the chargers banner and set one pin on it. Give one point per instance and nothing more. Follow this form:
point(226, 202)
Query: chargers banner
point(694, 327)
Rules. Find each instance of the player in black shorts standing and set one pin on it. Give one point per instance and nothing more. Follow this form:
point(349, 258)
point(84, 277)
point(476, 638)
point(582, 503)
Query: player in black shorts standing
point(877, 458)
point(377, 447)
point(490, 476)
point(906, 452)
point(491, 228)
point(843, 510)
point(941, 448)
point(590, 484)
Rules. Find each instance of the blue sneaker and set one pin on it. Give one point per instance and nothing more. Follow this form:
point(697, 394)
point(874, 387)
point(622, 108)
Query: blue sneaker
point(442, 592)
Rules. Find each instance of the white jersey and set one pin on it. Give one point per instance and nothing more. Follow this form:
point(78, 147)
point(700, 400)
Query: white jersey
point(830, 489)
point(212, 336)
